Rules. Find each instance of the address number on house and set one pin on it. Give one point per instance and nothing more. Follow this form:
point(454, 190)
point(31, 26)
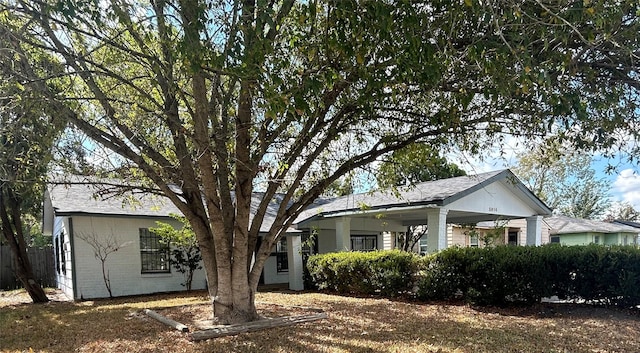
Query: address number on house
point(493, 209)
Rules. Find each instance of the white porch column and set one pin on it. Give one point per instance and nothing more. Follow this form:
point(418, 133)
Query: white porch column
point(436, 229)
point(534, 230)
point(343, 234)
point(294, 258)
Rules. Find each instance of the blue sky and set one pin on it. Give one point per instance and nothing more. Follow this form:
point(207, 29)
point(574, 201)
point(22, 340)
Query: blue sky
point(625, 182)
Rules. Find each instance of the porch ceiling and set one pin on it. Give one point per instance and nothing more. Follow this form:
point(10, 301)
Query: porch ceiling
point(418, 216)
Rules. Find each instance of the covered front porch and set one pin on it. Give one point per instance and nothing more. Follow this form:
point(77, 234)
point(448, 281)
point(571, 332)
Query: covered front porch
point(363, 221)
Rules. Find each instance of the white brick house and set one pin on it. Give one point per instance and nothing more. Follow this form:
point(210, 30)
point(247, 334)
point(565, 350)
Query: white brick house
point(354, 222)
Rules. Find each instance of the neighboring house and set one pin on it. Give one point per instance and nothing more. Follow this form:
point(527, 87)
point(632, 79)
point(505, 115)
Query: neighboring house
point(633, 224)
point(574, 231)
point(362, 222)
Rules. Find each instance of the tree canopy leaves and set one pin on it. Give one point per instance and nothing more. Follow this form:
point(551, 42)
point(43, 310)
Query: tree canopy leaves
point(224, 98)
point(414, 164)
point(28, 130)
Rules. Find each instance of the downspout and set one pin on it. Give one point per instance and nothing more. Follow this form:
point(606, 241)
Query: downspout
point(73, 260)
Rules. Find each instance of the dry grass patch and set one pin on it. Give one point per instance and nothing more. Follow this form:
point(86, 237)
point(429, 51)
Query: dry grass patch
point(354, 325)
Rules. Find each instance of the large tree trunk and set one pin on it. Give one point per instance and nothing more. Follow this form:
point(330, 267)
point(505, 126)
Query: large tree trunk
point(12, 231)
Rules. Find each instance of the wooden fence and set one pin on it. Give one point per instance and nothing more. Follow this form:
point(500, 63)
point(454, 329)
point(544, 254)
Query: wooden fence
point(41, 261)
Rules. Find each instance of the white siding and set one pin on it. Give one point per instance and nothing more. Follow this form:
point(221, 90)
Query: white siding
point(496, 198)
point(64, 270)
point(388, 240)
point(457, 236)
point(326, 241)
point(380, 241)
point(124, 265)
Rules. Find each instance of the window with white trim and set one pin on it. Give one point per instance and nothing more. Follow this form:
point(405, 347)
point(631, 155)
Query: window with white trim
point(364, 242)
point(56, 252)
point(473, 240)
point(63, 257)
point(154, 253)
point(423, 245)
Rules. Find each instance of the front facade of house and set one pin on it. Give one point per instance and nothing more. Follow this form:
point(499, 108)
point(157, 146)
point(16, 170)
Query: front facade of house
point(440, 204)
point(360, 222)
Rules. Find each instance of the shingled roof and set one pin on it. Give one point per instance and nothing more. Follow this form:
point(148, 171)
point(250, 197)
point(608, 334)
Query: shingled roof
point(437, 193)
point(568, 225)
point(83, 198)
point(86, 198)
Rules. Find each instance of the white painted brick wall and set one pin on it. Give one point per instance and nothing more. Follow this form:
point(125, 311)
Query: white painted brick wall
point(124, 265)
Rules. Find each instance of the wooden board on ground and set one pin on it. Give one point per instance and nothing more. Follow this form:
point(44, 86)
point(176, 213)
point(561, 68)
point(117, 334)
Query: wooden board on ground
point(165, 320)
point(230, 330)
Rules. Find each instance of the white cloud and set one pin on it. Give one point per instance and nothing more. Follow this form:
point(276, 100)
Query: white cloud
point(626, 187)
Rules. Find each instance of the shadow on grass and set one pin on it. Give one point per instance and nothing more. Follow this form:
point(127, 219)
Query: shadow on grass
point(380, 325)
point(65, 326)
point(354, 325)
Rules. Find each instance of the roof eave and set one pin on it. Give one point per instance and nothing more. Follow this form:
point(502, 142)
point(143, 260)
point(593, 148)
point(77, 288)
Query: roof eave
point(374, 209)
point(102, 214)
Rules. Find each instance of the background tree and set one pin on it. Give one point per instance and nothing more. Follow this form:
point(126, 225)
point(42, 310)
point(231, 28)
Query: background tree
point(341, 187)
point(563, 178)
point(622, 211)
point(28, 130)
point(588, 198)
point(185, 255)
point(210, 101)
point(413, 164)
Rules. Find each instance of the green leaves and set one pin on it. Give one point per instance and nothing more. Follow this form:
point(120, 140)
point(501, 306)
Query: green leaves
point(389, 273)
point(414, 164)
point(185, 255)
point(516, 274)
point(293, 96)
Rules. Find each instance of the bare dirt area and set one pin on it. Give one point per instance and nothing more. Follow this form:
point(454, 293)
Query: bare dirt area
point(200, 317)
point(16, 297)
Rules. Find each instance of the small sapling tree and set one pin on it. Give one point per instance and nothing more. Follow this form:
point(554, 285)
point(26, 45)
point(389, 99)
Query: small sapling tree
point(185, 255)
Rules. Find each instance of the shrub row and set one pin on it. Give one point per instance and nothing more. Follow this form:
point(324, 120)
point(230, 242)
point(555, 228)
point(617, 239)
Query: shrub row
point(506, 274)
point(388, 273)
point(488, 276)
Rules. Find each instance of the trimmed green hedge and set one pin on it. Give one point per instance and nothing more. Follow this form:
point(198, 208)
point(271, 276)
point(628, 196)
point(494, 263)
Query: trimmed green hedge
point(488, 276)
point(388, 273)
point(507, 274)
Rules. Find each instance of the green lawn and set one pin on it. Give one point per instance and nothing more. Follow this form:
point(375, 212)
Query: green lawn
point(354, 325)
